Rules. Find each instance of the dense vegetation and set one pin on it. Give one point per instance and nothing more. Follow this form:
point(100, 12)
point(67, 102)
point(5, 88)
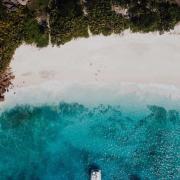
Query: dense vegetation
point(102, 19)
point(151, 15)
point(17, 27)
point(69, 19)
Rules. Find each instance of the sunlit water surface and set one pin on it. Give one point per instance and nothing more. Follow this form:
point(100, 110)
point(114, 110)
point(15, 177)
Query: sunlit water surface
point(64, 141)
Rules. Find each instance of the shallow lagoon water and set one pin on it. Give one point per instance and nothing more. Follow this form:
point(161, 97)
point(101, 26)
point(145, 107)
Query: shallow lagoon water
point(63, 141)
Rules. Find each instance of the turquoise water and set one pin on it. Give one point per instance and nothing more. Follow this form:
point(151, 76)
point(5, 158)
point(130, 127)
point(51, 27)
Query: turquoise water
point(66, 140)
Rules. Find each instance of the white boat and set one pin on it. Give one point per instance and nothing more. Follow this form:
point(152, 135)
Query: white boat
point(95, 174)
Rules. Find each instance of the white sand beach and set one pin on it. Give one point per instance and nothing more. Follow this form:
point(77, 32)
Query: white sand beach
point(131, 64)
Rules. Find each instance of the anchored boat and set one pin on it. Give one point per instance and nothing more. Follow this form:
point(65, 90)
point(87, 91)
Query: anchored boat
point(95, 174)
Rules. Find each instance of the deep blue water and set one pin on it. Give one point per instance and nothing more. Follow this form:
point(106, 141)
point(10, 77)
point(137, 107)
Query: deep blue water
point(64, 141)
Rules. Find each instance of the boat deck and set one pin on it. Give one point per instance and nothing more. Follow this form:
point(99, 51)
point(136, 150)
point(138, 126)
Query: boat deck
point(96, 175)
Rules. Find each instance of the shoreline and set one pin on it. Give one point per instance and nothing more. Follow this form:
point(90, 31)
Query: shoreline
point(129, 63)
